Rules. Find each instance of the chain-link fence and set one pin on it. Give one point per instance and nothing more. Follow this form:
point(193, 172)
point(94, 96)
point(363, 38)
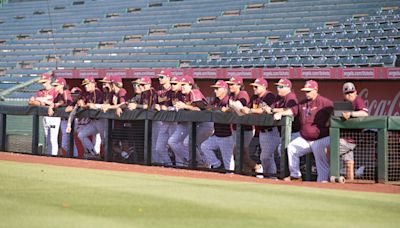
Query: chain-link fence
point(394, 156)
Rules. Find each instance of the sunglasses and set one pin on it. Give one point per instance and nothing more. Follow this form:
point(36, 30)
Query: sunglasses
point(255, 87)
point(161, 77)
point(280, 86)
point(174, 84)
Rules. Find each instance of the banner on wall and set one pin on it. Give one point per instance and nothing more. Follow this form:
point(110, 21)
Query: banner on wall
point(247, 73)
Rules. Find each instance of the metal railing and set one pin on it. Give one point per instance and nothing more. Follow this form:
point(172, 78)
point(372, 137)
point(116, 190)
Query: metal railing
point(151, 115)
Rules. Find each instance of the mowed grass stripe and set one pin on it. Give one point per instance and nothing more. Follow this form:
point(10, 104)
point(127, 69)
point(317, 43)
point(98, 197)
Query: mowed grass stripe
point(33, 195)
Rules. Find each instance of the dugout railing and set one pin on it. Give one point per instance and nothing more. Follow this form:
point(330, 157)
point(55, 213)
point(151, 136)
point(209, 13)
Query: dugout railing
point(377, 151)
point(148, 116)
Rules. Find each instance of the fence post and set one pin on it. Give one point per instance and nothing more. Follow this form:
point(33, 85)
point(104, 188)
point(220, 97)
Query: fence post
point(3, 131)
point(286, 131)
point(192, 144)
point(70, 149)
point(35, 134)
point(147, 141)
point(108, 144)
point(239, 149)
point(334, 134)
point(382, 151)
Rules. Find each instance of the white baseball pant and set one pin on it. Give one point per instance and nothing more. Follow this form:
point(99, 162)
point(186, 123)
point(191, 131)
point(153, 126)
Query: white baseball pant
point(300, 147)
point(203, 131)
point(224, 144)
point(175, 142)
point(92, 128)
point(247, 137)
point(51, 127)
point(65, 137)
point(269, 142)
point(160, 151)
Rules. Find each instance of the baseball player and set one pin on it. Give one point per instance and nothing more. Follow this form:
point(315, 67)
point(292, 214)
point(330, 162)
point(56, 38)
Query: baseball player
point(261, 98)
point(62, 99)
point(76, 94)
point(237, 93)
point(93, 99)
point(163, 130)
point(193, 100)
point(347, 145)
point(222, 137)
point(314, 113)
point(51, 125)
point(285, 99)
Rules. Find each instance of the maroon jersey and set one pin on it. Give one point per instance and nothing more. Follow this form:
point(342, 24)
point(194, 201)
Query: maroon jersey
point(64, 97)
point(288, 101)
point(177, 96)
point(107, 97)
point(257, 102)
point(119, 97)
point(222, 130)
point(95, 97)
point(50, 94)
point(148, 97)
point(314, 116)
point(244, 98)
point(196, 99)
point(165, 96)
point(359, 105)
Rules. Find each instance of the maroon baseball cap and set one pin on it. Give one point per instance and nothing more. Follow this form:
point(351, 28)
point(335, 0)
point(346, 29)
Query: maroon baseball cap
point(349, 87)
point(142, 80)
point(88, 80)
point(284, 82)
point(220, 84)
point(175, 79)
point(187, 80)
point(260, 82)
point(165, 72)
point(45, 77)
point(310, 85)
point(59, 81)
point(106, 79)
point(116, 79)
point(235, 80)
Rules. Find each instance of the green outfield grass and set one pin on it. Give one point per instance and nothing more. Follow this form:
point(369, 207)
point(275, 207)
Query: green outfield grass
point(33, 195)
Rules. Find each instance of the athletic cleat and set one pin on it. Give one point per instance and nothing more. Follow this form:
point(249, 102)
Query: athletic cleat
point(295, 179)
point(259, 171)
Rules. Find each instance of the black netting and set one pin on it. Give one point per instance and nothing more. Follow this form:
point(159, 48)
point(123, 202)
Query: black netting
point(394, 155)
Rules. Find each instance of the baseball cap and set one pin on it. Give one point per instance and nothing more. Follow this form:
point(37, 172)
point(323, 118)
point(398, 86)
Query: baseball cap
point(260, 82)
point(165, 72)
point(310, 85)
point(59, 81)
point(175, 79)
point(142, 80)
point(45, 77)
point(106, 79)
point(116, 79)
point(235, 80)
point(284, 82)
point(187, 80)
point(220, 84)
point(348, 87)
point(88, 80)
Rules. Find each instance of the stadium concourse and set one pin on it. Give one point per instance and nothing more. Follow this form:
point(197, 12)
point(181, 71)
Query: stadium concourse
point(331, 41)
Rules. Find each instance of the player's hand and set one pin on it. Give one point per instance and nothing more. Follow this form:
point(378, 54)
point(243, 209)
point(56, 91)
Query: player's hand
point(50, 111)
point(68, 129)
point(157, 107)
point(163, 107)
point(118, 112)
point(180, 105)
point(105, 107)
point(35, 103)
point(224, 109)
point(346, 115)
point(132, 106)
point(69, 109)
point(267, 109)
point(277, 116)
point(245, 110)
